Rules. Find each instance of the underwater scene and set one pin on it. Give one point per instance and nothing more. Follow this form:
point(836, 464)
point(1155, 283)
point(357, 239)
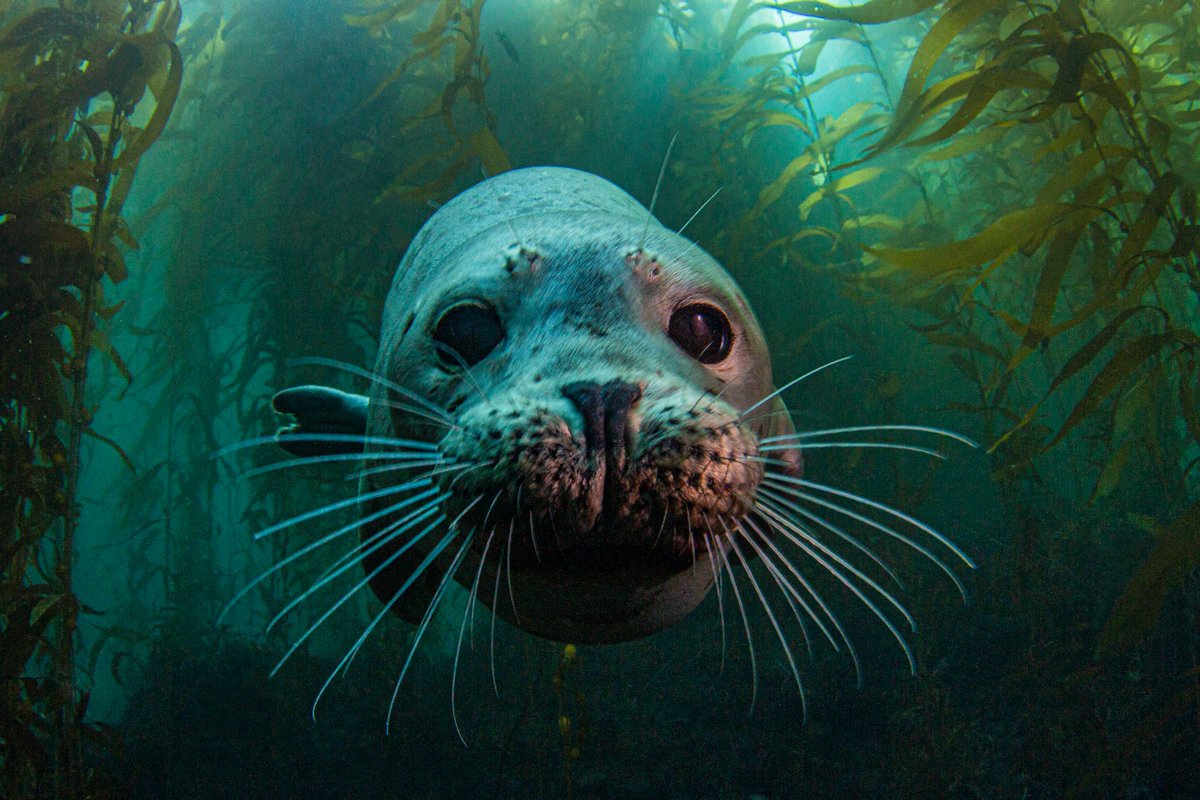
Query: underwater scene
point(599, 399)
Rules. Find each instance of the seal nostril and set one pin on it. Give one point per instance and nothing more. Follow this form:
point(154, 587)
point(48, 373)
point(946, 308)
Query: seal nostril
point(605, 410)
point(587, 398)
point(619, 399)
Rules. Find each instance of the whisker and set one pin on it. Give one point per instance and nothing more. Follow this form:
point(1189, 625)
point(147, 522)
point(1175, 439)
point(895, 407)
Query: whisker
point(746, 623)
point(704, 394)
point(800, 540)
point(776, 462)
point(877, 525)
point(438, 594)
point(353, 558)
point(764, 415)
point(662, 170)
point(483, 526)
point(703, 205)
point(787, 589)
point(792, 383)
point(916, 523)
point(468, 609)
point(418, 411)
point(450, 466)
point(870, 445)
point(344, 664)
point(353, 369)
point(840, 533)
point(533, 536)
point(762, 598)
point(508, 572)
point(679, 258)
point(415, 483)
point(661, 527)
point(318, 543)
point(778, 505)
point(466, 368)
point(378, 540)
point(370, 576)
point(474, 591)
point(366, 455)
point(717, 583)
point(958, 437)
point(336, 438)
point(500, 205)
point(470, 468)
point(812, 591)
point(492, 636)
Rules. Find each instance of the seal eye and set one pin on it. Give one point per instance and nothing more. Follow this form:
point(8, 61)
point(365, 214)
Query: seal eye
point(469, 330)
point(702, 332)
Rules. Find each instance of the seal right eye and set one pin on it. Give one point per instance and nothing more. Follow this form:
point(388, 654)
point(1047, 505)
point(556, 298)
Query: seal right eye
point(469, 329)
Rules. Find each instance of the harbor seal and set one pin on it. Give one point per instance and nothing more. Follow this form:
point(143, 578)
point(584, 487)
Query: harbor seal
point(595, 388)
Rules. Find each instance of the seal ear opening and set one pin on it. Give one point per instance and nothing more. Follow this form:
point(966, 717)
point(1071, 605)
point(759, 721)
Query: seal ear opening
point(317, 411)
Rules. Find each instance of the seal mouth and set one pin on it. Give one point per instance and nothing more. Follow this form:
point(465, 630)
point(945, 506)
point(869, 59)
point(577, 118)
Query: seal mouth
point(617, 493)
point(647, 518)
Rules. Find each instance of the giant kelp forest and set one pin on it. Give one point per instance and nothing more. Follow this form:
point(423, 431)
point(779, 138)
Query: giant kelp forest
point(991, 204)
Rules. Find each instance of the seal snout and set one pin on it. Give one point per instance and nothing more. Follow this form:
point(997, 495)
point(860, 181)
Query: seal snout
point(606, 410)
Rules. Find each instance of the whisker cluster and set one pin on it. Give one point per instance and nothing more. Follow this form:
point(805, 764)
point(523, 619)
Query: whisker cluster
point(787, 525)
point(413, 510)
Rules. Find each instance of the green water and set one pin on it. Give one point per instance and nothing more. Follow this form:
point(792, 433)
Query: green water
point(299, 161)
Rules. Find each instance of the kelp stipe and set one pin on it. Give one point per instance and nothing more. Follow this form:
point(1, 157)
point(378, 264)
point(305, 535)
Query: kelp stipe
point(73, 79)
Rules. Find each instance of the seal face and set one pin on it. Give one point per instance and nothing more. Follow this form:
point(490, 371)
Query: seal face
point(583, 375)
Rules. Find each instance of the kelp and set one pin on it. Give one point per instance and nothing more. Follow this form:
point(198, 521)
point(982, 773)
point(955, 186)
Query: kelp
point(451, 43)
point(1084, 239)
point(1022, 202)
point(73, 82)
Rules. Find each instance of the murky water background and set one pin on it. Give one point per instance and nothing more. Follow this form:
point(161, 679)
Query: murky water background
point(306, 147)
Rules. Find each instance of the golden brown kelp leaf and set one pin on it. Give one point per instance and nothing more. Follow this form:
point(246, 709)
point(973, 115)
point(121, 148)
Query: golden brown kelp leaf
point(429, 44)
point(1016, 230)
point(170, 78)
point(1123, 365)
point(481, 145)
point(872, 12)
point(832, 131)
point(1136, 612)
point(1058, 259)
point(948, 26)
point(842, 184)
point(454, 35)
point(1086, 354)
point(980, 89)
point(375, 21)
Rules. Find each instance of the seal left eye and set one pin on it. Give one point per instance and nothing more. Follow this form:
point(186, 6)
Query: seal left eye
point(470, 330)
point(702, 332)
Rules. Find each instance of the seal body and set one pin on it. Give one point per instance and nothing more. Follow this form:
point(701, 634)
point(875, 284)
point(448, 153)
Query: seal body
point(595, 388)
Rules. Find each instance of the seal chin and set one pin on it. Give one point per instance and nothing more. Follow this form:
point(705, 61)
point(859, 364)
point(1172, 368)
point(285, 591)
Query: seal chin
point(601, 596)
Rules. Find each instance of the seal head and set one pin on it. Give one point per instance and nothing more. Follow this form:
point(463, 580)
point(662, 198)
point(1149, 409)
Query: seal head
point(595, 387)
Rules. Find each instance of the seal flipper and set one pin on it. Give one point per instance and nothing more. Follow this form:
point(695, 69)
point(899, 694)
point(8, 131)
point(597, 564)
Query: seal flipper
point(318, 410)
point(321, 410)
